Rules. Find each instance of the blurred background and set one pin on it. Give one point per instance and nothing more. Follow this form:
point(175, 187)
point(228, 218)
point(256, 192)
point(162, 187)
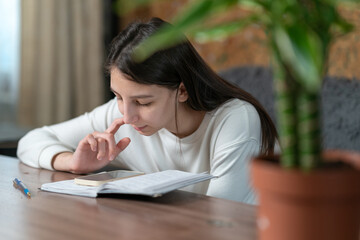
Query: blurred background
point(52, 55)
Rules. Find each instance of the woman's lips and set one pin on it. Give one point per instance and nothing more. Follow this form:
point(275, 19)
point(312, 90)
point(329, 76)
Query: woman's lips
point(139, 128)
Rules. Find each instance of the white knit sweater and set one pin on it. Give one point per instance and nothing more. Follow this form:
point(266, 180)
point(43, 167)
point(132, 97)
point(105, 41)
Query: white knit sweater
point(223, 145)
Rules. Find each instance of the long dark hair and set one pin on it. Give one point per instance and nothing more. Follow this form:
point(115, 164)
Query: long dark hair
point(181, 63)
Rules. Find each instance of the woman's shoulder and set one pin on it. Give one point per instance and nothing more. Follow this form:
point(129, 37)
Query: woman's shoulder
point(236, 118)
point(235, 106)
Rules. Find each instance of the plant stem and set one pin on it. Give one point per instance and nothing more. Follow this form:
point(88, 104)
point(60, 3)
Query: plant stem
point(309, 129)
point(287, 125)
point(298, 122)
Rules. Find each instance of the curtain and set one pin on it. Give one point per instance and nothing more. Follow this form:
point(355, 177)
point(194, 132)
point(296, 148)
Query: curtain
point(62, 58)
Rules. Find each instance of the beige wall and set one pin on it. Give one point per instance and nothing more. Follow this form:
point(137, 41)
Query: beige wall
point(249, 46)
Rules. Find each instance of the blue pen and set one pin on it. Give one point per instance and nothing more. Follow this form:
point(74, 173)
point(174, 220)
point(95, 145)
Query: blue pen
point(20, 185)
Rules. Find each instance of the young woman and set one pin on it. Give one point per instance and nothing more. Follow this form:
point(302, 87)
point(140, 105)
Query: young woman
point(177, 113)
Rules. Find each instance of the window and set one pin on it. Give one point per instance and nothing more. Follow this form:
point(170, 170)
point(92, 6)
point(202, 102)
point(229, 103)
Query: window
point(9, 68)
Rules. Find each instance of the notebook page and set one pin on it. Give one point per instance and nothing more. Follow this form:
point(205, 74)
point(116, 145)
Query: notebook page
point(70, 187)
point(154, 183)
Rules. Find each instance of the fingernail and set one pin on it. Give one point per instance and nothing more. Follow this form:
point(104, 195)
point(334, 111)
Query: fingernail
point(112, 157)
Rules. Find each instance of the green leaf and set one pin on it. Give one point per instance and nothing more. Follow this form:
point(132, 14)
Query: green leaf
point(302, 50)
point(188, 20)
point(221, 31)
point(202, 9)
point(163, 39)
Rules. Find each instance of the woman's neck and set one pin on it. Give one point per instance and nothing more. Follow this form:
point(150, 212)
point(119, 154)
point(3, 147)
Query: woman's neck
point(189, 120)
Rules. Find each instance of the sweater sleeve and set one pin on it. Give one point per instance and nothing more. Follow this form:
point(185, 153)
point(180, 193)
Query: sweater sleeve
point(39, 146)
point(237, 140)
point(232, 170)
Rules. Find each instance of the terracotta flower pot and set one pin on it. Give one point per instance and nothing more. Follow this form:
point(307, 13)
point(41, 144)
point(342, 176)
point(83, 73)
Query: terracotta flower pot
point(293, 205)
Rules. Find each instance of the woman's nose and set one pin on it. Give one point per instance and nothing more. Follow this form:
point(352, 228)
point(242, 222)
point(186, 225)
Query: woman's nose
point(129, 115)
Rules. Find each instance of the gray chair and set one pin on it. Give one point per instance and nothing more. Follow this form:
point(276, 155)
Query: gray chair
point(340, 103)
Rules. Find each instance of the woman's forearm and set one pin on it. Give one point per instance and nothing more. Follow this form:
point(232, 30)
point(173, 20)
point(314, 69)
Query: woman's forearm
point(61, 161)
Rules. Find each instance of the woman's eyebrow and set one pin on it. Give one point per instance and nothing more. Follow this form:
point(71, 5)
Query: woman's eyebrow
point(142, 96)
point(136, 96)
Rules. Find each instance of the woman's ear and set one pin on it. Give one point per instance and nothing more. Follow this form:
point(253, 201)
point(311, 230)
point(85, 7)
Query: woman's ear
point(182, 93)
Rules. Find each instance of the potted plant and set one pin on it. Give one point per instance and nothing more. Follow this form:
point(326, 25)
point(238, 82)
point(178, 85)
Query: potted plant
point(298, 182)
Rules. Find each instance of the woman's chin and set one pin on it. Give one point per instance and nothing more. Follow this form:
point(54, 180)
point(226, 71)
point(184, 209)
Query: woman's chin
point(145, 133)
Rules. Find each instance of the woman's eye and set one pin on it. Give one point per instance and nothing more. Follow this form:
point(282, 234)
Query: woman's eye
point(143, 104)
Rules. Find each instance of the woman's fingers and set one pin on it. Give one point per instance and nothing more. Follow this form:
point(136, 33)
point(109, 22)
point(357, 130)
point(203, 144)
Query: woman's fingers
point(122, 144)
point(116, 124)
point(119, 147)
point(103, 143)
point(106, 145)
point(89, 140)
point(92, 142)
point(102, 149)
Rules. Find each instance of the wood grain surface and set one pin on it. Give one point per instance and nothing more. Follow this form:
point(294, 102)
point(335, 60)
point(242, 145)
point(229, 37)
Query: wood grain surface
point(177, 215)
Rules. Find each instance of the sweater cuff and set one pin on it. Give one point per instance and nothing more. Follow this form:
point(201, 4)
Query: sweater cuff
point(48, 153)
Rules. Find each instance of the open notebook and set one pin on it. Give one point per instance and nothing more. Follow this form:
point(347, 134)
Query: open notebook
point(153, 184)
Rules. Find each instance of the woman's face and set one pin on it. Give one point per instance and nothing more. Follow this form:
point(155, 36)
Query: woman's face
point(147, 108)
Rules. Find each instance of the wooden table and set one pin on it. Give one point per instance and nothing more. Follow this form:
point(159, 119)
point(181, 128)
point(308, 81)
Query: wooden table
point(176, 215)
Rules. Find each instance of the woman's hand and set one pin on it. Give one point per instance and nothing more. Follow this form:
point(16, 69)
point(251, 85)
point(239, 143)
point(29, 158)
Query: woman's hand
point(94, 151)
